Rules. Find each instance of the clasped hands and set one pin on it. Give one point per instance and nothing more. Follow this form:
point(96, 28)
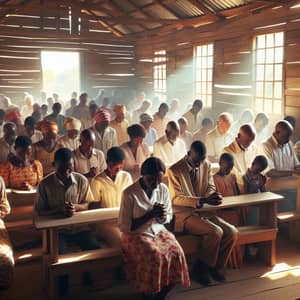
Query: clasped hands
point(159, 211)
point(212, 199)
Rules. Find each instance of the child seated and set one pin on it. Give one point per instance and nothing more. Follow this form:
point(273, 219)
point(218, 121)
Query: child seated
point(225, 181)
point(254, 181)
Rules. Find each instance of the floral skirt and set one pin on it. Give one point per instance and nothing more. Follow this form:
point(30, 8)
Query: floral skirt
point(154, 262)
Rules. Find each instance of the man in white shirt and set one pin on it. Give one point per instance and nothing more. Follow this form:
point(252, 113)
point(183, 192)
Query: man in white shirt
point(170, 148)
point(88, 160)
point(193, 116)
point(106, 136)
point(243, 151)
point(30, 131)
point(282, 160)
point(219, 137)
point(71, 139)
point(262, 129)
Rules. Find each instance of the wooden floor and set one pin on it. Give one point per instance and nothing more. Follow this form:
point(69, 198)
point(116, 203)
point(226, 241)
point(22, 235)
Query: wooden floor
point(252, 281)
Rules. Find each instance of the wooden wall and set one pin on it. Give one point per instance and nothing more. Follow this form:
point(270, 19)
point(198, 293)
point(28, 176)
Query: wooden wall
point(233, 59)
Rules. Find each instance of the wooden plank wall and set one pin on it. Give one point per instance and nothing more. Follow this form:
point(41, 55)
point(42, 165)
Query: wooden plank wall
point(233, 59)
point(106, 61)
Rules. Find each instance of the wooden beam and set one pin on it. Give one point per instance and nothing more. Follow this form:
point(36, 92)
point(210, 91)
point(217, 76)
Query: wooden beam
point(202, 7)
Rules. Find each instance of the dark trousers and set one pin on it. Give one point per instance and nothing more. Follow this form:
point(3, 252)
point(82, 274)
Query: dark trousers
point(86, 240)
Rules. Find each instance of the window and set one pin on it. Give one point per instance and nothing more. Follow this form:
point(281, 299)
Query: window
point(61, 72)
point(160, 75)
point(268, 72)
point(203, 56)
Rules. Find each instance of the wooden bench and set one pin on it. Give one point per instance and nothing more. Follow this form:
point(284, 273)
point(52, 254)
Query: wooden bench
point(19, 224)
point(290, 218)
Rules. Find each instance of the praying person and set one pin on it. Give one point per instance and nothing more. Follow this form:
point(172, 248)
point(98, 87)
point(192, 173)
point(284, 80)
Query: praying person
point(194, 117)
point(7, 142)
point(120, 124)
point(185, 135)
point(71, 139)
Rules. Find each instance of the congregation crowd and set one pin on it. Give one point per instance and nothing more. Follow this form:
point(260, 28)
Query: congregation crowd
point(88, 154)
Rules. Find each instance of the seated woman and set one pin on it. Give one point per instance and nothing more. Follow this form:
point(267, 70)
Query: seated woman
point(44, 150)
point(135, 150)
point(20, 171)
point(6, 254)
point(154, 259)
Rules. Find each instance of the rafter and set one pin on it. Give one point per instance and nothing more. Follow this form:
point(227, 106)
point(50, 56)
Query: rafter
point(202, 7)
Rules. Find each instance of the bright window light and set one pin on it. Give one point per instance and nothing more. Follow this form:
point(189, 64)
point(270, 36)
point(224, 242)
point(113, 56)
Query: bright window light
point(160, 74)
point(61, 73)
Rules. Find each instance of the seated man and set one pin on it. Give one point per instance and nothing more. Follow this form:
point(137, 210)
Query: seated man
point(201, 134)
point(120, 124)
point(170, 148)
point(71, 139)
point(30, 131)
point(243, 151)
point(191, 185)
point(6, 254)
point(88, 160)
point(107, 188)
point(57, 117)
point(65, 192)
point(7, 148)
point(194, 116)
point(219, 137)
point(282, 160)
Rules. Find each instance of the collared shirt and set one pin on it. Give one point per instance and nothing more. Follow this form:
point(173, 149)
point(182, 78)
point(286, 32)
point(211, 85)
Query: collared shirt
point(243, 159)
point(109, 139)
point(167, 152)
point(130, 161)
point(52, 193)
point(215, 142)
point(280, 157)
point(59, 120)
point(5, 150)
point(121, 130)
point(66, 142)
point(82, 164)
point(87, 123)
point(159, 124)
point(109, 192)
point(200, 135)
point(150, 137)
point(187, 137)
point(226, 185)
point(135, 204)
point(194, 123)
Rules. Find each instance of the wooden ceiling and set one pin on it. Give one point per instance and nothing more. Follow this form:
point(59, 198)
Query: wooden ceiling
point(130, 18)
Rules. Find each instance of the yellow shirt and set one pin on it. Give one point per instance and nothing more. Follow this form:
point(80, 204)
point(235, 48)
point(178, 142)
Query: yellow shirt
point(121, 130)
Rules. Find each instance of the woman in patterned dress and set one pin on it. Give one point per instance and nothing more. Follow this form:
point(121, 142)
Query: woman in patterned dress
point(20, 171)
point(154, 260)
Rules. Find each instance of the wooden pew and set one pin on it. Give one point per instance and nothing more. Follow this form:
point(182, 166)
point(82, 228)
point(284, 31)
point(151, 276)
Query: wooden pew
point(290, 218)
point(264, 233)
point(19, 224)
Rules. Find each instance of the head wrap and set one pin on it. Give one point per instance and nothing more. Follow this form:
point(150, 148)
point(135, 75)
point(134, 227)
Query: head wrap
point(145, 118)
point(72, 124)
point(102, 115)
point(119, 109)
point(12, 116)
point(47, 126)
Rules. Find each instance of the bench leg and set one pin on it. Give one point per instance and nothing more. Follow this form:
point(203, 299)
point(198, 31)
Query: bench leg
point(269, 252)
point(52, 288)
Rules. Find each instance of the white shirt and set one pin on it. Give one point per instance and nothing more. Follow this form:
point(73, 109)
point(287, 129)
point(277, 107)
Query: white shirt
point(36, 137)
point(130, 161)
point(135, 203)
point(5, 150)
point(280, 157)
point(109, 139)
point(109, 192)
point(83, 164)
point(66, 142)
point(150, 137)
point(193, 123)
point(167, 152)
point(215, 142)
point(187, 137)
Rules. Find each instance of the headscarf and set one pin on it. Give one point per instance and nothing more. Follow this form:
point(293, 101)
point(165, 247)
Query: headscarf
point(72, 124)
point(46, 126)
point(102, 115)
point(120, 109)
point(12, 116)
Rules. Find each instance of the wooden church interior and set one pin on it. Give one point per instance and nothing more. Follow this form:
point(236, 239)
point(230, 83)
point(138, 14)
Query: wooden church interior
point(232, 54)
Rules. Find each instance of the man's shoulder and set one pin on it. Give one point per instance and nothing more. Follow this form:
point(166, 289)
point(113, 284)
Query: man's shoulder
point(177, 167)
point(79, 177)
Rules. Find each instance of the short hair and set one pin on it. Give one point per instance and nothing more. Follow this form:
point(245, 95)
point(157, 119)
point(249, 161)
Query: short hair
point(93, 106)
point(29, 121)
point(163, 105)
point(262, 116)
point(44, 106)
point(63, 155)
point(86, 134)
point(173, 125)
point(83, 95)
point(23, 141)
point(207, 121)
point(182, 120)
point(262, 161)
point(227, 157)
point(56, 106)
point(115, 155)
point(152, 166)
point(2, 114)
point(136, 130)
point(198, 103)
point(199, 147)
point(291, 120)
